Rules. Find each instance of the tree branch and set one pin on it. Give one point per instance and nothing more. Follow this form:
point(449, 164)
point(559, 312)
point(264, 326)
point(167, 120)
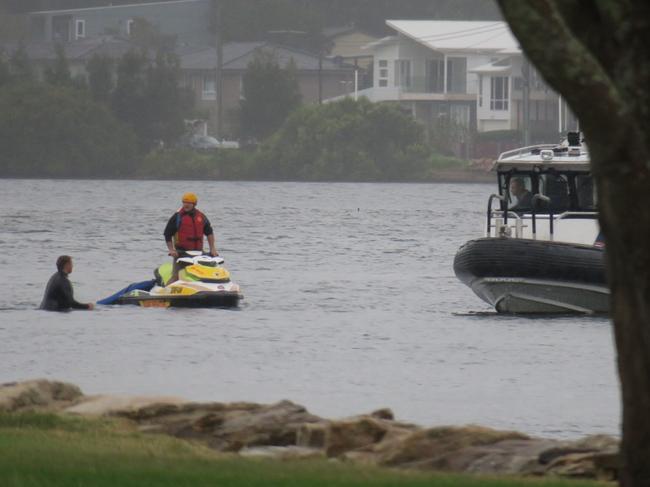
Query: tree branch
point(567, 64)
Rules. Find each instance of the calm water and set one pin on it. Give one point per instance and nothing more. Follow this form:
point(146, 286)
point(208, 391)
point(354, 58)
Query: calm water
point(351, 305)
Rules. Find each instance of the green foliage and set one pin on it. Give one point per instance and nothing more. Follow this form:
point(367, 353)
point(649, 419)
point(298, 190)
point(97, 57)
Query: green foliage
point(148, 98)
point(5, 75)
point(270, 94)
point(148, 36)
point(59, 73)
point(346, 141)
point(100, 77)
point(499, 136)
point(20, 66)
point(310, 16)
point(52, 131)
point(223, 164)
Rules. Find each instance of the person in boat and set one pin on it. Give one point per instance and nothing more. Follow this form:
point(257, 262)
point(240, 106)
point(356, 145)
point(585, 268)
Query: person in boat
point(58, 292)
point(185, 231)
point(519, 191)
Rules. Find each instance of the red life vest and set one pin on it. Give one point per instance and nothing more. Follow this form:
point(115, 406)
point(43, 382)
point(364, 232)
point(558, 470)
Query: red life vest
point(189, 230)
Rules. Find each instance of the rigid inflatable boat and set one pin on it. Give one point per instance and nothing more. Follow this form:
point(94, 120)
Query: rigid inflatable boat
point(202, 282)
point(542, 251)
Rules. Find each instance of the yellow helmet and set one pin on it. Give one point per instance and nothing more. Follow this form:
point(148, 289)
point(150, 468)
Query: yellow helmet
point(190, 198)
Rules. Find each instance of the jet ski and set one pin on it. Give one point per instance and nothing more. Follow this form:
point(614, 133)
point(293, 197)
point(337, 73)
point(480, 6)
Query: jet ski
point(202, 282)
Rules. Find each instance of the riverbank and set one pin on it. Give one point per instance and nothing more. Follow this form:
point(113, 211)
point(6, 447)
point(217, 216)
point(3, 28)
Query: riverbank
point(56, 430)
point(46, 450)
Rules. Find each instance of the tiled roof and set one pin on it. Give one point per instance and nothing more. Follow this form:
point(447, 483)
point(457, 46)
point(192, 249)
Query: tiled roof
point(80, 50)
point(237, 56)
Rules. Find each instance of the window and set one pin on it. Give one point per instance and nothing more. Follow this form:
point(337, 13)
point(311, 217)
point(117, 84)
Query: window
point(586, 191)
point(435, 75)
point(520, 192)
point(80, 29)
point(457, 75)
point(209, 88)
point(459, 114)
point(403, 73)
point(130, 24)
point(556, 187)
point(499, 93)
point(383, 73)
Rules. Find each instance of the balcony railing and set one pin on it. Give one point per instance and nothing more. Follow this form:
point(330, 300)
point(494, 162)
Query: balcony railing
point(426, 84)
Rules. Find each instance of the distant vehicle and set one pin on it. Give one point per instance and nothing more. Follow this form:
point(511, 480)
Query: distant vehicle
point(206, 142)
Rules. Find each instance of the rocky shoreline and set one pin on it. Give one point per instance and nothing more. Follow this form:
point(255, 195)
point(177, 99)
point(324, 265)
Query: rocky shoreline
point(286, 430)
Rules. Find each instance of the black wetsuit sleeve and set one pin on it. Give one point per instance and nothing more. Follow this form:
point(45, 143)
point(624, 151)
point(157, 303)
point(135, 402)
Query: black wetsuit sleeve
point(68, 296)
point(207, 227)
point(170, 229)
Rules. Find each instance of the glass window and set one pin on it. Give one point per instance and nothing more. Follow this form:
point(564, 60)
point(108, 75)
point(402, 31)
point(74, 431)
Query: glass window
point(586, 191)
point(435, 75)
point(556, 187)
point(209, 88)
point(383, 73)
point(457, 75)
point(383, 83)
point(499, 93)
point(403, 72)
point(81, 29)
point(383, 63)
point(520, 192)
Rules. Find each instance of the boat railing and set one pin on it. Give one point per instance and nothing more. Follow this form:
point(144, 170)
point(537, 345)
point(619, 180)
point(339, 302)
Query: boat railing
point(569, 214)
point(524, 150)
point(505, 214)
point(489, 210)
point(547, 200)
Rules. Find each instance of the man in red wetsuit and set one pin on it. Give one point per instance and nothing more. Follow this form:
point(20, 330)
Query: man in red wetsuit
point(185, 231)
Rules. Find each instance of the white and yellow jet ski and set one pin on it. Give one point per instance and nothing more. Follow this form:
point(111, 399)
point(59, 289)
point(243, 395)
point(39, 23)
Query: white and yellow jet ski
point(202, 282)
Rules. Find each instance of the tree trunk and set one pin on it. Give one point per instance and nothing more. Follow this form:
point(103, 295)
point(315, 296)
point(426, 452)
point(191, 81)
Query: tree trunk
point(593, 53)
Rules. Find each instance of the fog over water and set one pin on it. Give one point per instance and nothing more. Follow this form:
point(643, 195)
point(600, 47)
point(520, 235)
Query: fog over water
point(351, 304)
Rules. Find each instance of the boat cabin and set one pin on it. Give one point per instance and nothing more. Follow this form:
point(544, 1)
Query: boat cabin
point(545, 192)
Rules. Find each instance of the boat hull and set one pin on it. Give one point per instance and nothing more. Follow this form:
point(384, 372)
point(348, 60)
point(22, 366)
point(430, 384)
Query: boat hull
point(223, 299)
point(531, 276)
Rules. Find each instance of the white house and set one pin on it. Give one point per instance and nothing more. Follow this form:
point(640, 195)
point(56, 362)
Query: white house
point(470, 72)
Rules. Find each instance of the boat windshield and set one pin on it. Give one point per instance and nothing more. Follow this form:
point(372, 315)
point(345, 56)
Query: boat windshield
point(567, 191)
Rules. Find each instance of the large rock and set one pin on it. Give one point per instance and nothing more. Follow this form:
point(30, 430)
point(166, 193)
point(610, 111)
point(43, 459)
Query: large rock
point(38, 395)
point(362, 433)
point(287, 430)
point(105, 405)
point(436, 445)
point(225, 427)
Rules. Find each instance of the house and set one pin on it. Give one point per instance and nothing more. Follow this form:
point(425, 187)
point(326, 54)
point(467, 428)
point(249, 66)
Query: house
point(347, 44)
point(43, 54)
point(317, 78)
point(189, 21)
point(470, 75)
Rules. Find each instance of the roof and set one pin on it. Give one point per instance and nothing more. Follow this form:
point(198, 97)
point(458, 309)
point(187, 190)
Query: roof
point(237, 56)
point(80, 50)
point(85, 9)
point(529, 157)
point(459, 35)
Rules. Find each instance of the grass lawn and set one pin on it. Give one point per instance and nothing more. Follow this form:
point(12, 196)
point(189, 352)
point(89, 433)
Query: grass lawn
point(47, 450)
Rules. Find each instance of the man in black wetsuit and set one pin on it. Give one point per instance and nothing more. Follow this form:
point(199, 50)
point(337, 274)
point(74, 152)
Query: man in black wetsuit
point(58, 293)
